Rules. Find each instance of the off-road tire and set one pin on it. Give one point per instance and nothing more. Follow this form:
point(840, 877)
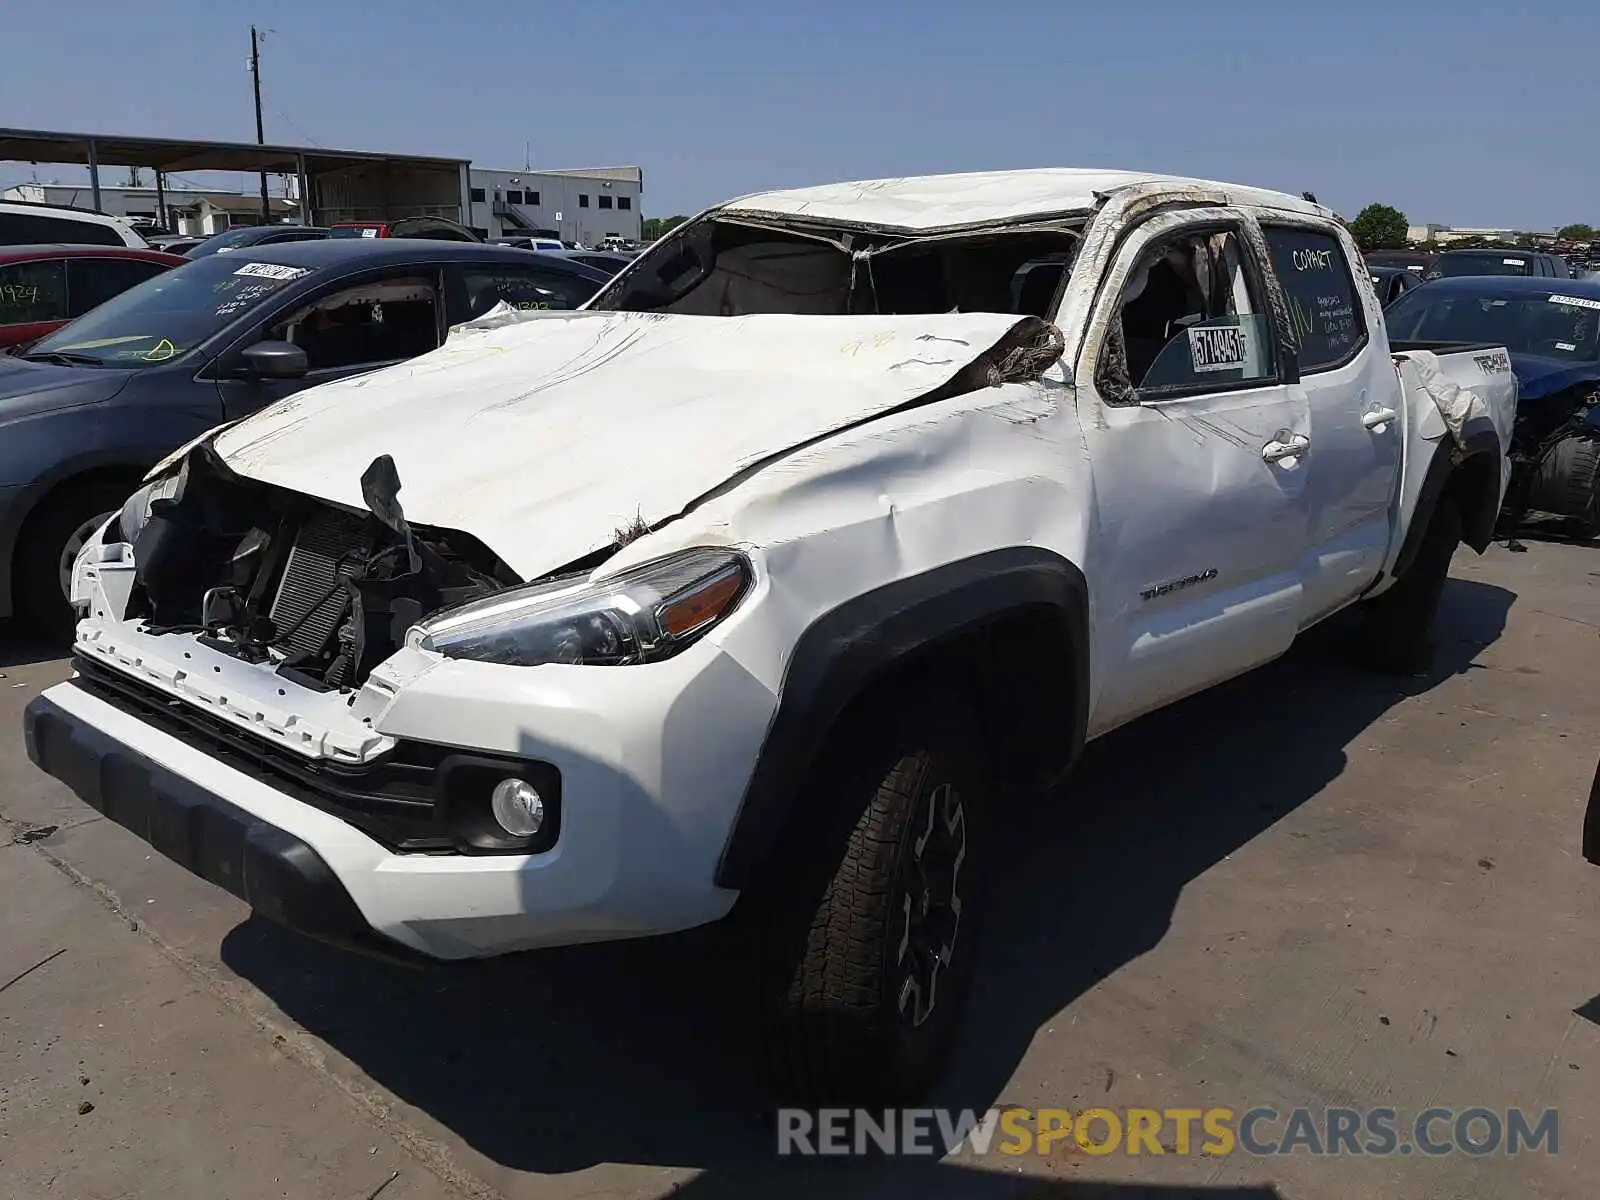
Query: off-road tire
point(1397, 635)
point(36, 565)
point(1568, 484)
point(839, 1024)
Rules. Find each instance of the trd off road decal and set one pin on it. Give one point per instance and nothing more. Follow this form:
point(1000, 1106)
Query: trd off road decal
point(1178, 585)
point(1225, 349)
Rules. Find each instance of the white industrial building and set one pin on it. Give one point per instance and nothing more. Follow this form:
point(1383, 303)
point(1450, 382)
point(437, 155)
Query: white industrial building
point(587, 205)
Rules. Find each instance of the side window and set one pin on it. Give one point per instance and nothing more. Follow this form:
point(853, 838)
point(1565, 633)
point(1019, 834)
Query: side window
point(22, 229)
point(377, 322)
point(93, 281)
point(33, 292)
point(1320, 294)
point(529, 289)
point(1190, 320)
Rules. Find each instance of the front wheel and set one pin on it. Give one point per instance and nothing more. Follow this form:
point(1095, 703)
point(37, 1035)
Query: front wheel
point(867, 952)
point(1568, 483)
point(49, 545)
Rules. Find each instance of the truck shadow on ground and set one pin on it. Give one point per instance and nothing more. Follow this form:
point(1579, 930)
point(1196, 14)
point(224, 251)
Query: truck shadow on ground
point(641, 1052)
point(20, 646)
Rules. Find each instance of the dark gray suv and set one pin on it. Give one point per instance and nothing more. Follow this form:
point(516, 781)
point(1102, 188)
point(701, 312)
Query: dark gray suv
point(88, 410)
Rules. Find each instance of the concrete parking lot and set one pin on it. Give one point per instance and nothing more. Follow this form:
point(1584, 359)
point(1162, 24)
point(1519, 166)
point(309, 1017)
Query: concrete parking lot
point(1311, 887)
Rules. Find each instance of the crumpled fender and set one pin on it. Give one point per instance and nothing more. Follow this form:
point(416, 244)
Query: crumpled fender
point(1456, 432)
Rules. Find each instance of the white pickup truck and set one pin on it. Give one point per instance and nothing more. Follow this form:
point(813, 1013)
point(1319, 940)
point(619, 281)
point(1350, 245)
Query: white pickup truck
point(839, 517)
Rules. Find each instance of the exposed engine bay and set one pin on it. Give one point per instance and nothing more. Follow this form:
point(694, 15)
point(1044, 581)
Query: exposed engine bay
point(269, 575)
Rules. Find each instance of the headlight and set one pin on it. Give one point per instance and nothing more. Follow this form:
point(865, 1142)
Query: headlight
point(136, 509)
point(643, 615)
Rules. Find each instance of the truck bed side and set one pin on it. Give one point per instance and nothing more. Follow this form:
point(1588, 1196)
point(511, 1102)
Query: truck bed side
point(1460, 404)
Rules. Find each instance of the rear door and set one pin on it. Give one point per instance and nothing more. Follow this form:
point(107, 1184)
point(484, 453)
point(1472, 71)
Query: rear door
point(476, 287)
point(1354, 465)
point(1198, 448)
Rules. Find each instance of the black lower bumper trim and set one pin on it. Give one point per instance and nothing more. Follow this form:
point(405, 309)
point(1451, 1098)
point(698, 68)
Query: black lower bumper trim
point(274, 872)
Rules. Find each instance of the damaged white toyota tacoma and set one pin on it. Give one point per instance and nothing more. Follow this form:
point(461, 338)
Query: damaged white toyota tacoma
point(839, 518)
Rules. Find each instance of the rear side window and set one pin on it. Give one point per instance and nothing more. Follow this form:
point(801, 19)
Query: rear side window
point(33, 292)
point(23, 229)
point(93, 281)
point(1329, 324)
point(527, 288)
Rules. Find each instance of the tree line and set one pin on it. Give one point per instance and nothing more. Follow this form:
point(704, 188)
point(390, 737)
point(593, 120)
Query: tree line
point(655, 227)
point(1384, 227)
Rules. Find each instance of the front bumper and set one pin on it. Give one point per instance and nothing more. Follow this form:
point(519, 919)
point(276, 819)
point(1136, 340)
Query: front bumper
point(276, 873)
point(636, 853)
point(652, 761)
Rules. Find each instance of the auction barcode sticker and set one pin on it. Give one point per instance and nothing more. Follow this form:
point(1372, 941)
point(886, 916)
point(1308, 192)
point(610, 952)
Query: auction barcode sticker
point(1224, 349)
point(1575, 301)
point(271, 271)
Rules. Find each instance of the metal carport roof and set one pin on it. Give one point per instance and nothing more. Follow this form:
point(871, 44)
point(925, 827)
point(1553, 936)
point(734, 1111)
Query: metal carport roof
point(178, 154)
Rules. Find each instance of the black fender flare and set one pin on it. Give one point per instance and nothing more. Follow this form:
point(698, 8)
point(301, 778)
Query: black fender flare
point(872, 636)
point(1479, 444)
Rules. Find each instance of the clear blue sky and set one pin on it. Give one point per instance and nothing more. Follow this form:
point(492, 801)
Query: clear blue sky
point(1468, 112)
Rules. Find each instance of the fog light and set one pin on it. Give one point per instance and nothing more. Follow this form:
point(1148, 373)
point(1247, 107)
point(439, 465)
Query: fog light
point(517, 807)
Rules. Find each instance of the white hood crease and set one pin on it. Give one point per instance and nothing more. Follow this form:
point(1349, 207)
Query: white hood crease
point(542, 433)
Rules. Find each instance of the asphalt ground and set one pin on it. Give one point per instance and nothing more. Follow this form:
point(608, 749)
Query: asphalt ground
point(1310, 888)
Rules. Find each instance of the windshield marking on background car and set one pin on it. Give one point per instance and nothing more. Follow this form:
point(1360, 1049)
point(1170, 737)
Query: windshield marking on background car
point(272, 271)
point(99, 343)
point(1575, 301)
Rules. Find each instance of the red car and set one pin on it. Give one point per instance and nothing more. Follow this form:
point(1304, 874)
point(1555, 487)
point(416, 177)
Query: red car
point(435, 228)
point(44, 287)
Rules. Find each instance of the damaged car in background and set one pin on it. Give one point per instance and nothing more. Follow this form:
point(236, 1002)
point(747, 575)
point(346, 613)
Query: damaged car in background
point(1552, 331)
point(771, 582)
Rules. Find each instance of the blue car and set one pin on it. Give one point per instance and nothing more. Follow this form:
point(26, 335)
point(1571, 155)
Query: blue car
point(1552, 329)
point(87, 411)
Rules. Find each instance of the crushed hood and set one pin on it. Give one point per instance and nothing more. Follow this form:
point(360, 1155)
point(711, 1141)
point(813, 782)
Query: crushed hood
point(542, 434)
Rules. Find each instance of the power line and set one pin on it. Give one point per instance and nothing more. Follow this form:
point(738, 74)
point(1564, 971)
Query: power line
point(301, 133)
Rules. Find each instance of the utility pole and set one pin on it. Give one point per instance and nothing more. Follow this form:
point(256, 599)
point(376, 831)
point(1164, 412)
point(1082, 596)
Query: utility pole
point(261, 137)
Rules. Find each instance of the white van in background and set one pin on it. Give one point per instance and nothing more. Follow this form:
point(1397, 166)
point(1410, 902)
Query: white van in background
point(25, 223)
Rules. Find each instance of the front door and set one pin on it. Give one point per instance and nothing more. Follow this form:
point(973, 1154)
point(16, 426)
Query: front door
point(1199, 452)
point(347, 329)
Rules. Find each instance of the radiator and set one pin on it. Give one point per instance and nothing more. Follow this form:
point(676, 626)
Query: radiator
point(333, 543)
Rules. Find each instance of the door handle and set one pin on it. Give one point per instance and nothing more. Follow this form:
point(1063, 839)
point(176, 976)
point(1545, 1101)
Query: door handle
point(1377, 418)
point(1285, 445)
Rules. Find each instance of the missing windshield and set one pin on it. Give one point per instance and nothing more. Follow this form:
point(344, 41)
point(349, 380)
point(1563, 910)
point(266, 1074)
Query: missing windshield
point(739, 268)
